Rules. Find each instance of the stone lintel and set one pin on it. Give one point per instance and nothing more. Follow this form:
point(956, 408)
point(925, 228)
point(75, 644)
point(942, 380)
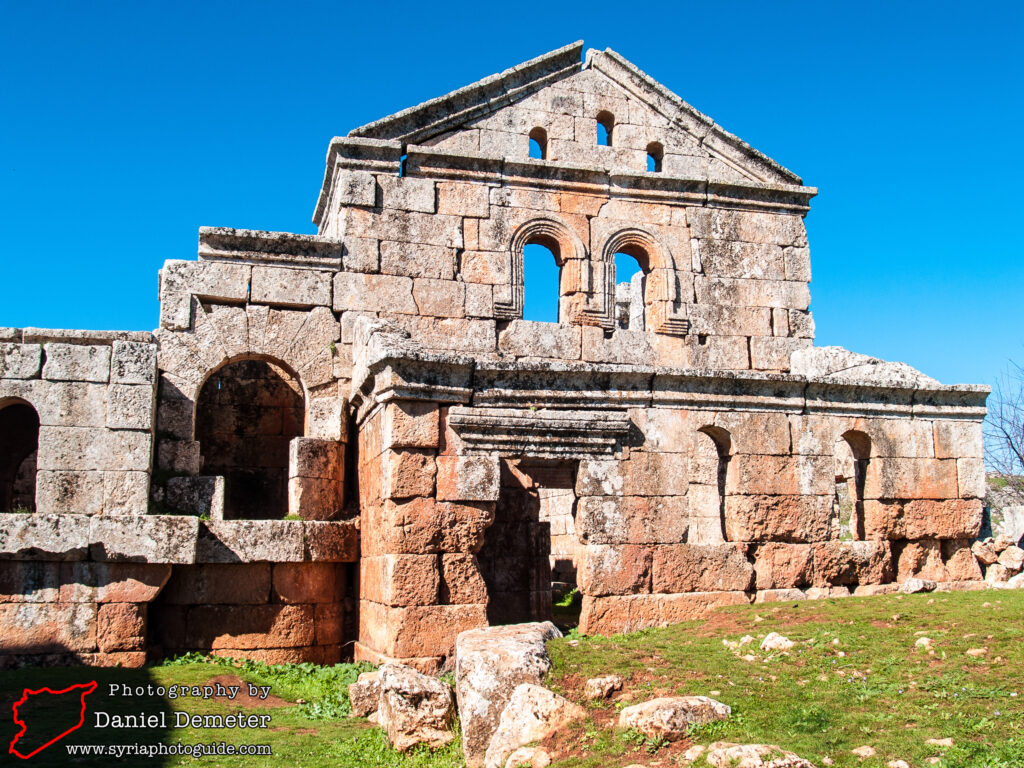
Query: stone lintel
point(545, 433)
point(75, 336)
point(493, 383)
point(257, 246)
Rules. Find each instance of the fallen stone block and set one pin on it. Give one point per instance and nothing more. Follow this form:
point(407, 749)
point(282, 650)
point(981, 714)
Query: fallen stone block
point(415, 708)
point(489, 664)
point(670, 717)
point(532, 714)
point(364, 694)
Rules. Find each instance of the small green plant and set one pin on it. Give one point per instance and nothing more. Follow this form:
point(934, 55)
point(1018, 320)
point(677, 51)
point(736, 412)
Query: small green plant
point(640, 741)
point(292, 517)
point(21, 509)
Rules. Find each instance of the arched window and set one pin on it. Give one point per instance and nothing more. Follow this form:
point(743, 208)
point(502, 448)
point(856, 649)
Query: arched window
point(541, 276)
point(852, 453)
point(712, 447)
point(246, 414)
point(539, 144)
point(629, 292)
point(655, 154)
point(605, 124)
point(19, 443)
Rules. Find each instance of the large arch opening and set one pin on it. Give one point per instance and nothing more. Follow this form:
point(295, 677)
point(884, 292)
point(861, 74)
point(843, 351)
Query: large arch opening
point(19, 445)
point(709, 467)
point(852, 454)
point(246, 414)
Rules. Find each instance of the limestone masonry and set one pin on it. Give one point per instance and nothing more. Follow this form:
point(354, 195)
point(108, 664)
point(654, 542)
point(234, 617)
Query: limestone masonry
point(351, 443)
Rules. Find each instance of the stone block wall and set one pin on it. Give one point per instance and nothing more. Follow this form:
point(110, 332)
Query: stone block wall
point(423, 513)
point(109, 589)
point(93, 396)
point(278, 613)
point(651, 558)
point(57, 613)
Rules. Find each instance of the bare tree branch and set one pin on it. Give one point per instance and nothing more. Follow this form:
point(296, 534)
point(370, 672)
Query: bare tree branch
point(1004, 427)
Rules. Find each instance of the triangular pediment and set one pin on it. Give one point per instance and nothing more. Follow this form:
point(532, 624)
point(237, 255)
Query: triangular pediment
point(563, 96)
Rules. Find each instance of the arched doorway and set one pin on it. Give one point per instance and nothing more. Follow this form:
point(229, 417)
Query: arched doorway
point(247, 412)
point(19, 444)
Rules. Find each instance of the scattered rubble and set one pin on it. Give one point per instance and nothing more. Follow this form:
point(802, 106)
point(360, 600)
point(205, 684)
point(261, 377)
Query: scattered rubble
point(669, 717)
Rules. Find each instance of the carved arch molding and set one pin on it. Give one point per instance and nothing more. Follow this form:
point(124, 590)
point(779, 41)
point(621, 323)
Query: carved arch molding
point(589, 282)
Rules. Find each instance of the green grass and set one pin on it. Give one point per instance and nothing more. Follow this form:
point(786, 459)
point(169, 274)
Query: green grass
point(874, 687)
point(855, 678)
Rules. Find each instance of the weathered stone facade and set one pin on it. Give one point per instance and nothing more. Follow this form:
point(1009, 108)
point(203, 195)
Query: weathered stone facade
point(672, 445)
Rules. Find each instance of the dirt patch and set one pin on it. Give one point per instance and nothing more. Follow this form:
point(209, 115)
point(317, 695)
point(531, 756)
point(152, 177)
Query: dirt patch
point(243, 699)
point(723, 624)
point(570, 743)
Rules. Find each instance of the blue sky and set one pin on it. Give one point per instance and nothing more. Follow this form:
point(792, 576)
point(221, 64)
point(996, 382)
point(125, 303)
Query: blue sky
point(126, 126)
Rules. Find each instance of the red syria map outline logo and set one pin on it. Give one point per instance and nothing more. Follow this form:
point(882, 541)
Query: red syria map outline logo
point(87, 688)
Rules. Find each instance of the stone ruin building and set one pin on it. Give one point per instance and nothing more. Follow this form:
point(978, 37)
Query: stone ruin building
point(353, 444)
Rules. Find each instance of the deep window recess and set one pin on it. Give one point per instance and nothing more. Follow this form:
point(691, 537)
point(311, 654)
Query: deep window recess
point(605, 127)
point(539, 144)
point(655, 155)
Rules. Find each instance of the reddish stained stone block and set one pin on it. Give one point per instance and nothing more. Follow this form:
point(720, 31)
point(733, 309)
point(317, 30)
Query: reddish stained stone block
point(701, 568)
point(468, 478)
point(304, 582)
point(923, 519)
point(921, 559)
point(961, 564)
point(422, 526)
point(947, 519)
point(782, 566)
point(125, 659)
point(121, 627)
point(334, 541)
point(911, 479)
point(410, 424)
point(781, 475)
point(838, 563)
point(778, 518)
point(250, 627)
point(416, 632)
point(632, 519)
point(629, 613)
point(218, 583)
point(329, 623)
point(47, 627)
point(461, 581)
point(407, 473)
point(621, 569)
point(399, 580)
